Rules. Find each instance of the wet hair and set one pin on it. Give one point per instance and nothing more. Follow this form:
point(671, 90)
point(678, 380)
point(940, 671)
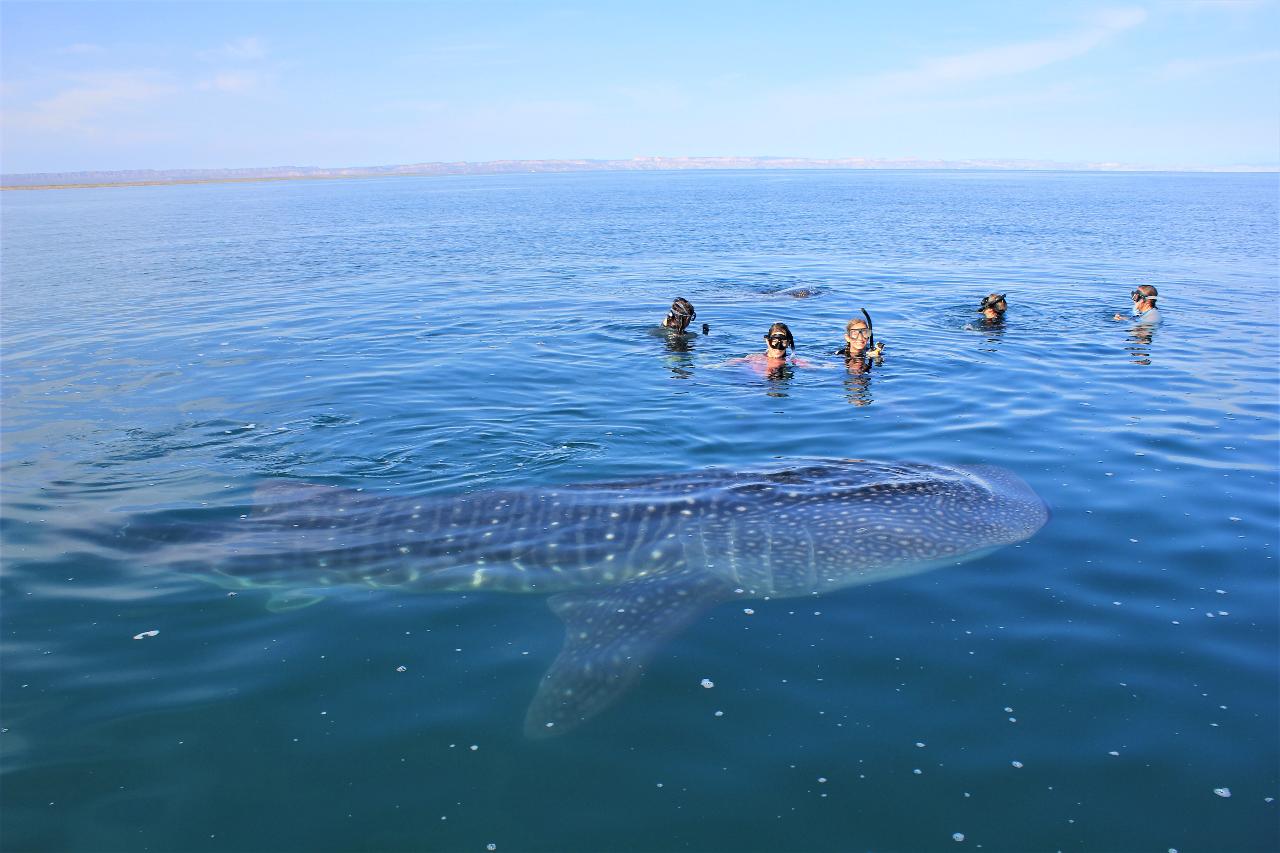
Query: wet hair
point(991, 300)
point(856, 322)
point(1149, 291)
point(680, 315)
point(781, 329)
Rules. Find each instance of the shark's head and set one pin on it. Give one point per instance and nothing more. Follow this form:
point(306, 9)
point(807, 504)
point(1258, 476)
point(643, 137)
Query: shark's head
point(829, 525)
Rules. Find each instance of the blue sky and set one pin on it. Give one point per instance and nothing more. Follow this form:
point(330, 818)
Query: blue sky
point(95, 86)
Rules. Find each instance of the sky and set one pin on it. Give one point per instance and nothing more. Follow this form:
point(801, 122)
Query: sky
point(173, 85)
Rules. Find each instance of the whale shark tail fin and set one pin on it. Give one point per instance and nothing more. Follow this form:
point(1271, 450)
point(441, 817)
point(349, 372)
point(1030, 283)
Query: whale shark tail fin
point(610, 635)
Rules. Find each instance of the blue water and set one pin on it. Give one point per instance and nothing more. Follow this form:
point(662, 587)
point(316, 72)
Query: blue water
point(166, 349)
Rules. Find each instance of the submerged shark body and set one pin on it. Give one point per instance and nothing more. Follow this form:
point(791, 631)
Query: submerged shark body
point(629, 563)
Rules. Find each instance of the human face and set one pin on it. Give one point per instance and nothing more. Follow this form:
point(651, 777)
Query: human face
point(858, 337)
point(777, 343)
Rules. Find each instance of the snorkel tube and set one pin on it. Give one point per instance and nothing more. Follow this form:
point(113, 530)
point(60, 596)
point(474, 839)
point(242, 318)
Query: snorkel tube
point(871, 342)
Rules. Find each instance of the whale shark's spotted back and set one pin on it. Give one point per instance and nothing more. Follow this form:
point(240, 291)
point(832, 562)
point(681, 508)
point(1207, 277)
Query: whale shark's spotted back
point(784, 532)
point(630, 562)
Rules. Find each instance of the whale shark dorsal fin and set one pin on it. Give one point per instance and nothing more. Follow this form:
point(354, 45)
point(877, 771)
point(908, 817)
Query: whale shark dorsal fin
point(610, 634)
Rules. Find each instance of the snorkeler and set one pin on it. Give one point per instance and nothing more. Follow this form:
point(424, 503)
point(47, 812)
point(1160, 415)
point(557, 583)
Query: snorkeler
point(993, 306)
point(1144, 310)
point(681, 315)
point(777, 341)
point(860, 340)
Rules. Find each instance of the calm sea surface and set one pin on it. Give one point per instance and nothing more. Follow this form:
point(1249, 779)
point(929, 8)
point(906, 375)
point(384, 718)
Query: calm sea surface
point(1100, 687)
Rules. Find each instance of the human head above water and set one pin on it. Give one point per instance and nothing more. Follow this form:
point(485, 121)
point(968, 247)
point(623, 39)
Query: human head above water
point(680, 315)
point(779, 338)
point(993, 306)
point(1144, 293)
point(857, 335)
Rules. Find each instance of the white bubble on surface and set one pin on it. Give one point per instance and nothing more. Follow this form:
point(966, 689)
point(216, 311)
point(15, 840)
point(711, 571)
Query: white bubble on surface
point(707, 683)
point(957, 836)
point(145, 634)
point(1222, 792)
point(1016, 763)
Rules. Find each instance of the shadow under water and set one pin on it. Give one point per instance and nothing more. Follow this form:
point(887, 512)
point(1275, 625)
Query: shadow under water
point(627, 564)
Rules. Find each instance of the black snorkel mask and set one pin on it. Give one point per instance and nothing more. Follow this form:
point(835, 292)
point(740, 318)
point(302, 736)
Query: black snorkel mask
point(677, 318)
point(991, 301)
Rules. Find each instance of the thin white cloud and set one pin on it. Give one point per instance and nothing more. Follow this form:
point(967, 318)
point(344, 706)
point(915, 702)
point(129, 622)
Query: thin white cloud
point(244, 49)
point(466, 47)
point(1184, 68)
point(1226, 5)
point(81, 49)
point(1007, 60)
point(232, 82)
point(93, 97)
point(473, 54)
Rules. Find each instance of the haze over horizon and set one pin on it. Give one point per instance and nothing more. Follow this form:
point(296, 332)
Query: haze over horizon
point(123, 86)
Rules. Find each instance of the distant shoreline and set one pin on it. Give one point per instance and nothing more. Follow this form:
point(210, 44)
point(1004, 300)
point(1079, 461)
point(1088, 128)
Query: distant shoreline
point(178, 182)
point(167, 177)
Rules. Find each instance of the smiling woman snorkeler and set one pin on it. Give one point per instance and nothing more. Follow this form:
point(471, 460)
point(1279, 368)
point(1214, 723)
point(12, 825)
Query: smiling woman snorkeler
point(777, 341)
point(860, 342)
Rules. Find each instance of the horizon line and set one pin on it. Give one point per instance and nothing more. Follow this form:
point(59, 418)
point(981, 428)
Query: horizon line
point(87, 178)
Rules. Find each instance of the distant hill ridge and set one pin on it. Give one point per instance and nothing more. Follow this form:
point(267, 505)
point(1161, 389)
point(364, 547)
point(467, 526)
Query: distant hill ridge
point(135, 177)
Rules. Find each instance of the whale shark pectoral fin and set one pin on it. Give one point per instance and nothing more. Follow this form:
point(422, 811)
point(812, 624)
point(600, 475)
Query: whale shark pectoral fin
point(610, 634)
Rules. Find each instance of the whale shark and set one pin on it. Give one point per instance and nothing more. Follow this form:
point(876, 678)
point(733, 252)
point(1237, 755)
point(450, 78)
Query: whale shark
point(627, 564)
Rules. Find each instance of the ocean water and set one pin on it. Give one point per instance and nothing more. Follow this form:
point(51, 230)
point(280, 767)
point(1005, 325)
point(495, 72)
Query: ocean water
point(1102, 686)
